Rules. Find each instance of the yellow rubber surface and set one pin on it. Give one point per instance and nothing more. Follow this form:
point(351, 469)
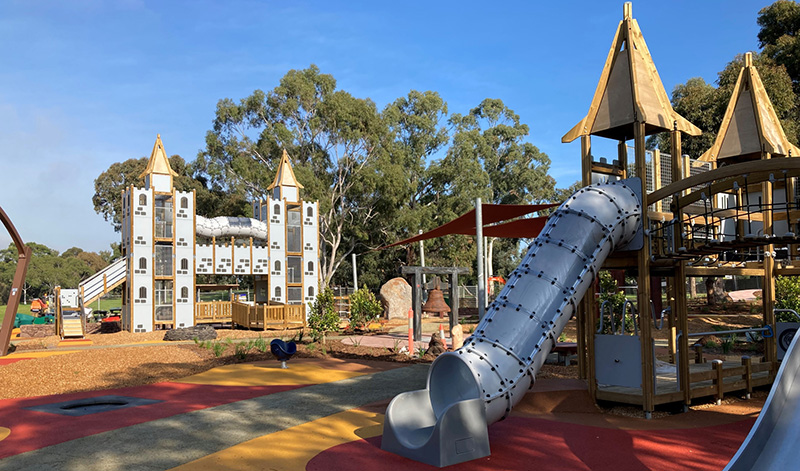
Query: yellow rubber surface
point(269, 374)
point(75, 343)
point(293, 448)
point(4, 432)
point(38, 354)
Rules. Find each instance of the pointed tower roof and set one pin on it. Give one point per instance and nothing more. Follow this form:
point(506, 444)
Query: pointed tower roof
point(629, 91)
point(750, 125)
point(158, 163)
point(285, 175)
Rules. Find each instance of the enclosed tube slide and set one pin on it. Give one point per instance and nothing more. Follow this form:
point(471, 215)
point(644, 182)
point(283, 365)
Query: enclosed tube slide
point(224, 226)
point(478, 384)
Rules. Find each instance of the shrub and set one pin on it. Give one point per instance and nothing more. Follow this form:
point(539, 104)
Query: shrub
point(364, 308)
point(616, 303)
point(323, 318)
point(787, 296)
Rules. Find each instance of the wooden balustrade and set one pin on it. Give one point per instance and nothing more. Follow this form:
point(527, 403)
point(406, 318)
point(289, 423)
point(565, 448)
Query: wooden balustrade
point(212, 312)
point(263, 316)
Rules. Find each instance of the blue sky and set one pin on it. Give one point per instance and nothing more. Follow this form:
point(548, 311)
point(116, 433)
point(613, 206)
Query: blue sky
point(86, 83)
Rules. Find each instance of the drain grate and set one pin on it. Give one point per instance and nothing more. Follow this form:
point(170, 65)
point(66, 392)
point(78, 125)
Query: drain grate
point(92, 405)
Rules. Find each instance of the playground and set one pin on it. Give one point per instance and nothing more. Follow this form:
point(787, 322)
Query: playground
point(207, 412)
point(562, 369)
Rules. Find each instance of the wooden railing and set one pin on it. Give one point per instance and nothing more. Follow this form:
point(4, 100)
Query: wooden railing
point(721, 379)
point(262, 316)
point(212, 312)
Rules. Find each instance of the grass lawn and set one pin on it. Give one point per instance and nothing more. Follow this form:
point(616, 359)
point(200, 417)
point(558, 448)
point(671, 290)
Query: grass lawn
point(104, 304)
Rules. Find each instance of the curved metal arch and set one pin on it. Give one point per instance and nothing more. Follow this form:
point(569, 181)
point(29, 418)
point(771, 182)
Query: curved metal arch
point(16, 285)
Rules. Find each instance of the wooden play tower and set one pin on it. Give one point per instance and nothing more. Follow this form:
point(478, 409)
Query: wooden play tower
point(727, 213)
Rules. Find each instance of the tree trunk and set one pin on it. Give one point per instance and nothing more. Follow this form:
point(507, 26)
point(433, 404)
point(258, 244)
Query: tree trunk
point(692, 288)
point(715, 290)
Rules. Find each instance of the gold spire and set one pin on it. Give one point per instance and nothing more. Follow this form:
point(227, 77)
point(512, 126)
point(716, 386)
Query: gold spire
point(629, 91)
point(285, 175)
point(158, 163)
point(750, 125)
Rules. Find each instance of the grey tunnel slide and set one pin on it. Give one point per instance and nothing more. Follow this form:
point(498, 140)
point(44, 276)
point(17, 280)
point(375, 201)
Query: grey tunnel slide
point(479, 384)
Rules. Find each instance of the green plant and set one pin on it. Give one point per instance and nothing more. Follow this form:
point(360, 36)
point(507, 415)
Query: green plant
point(323, 318)
point(711, 344)
point(420, 352)
point(787, 296)
point(260, 344)
point(396, 344)
point(218, 348)
point(355, 341)
point(311, 347)
point(562, 337)
point(728, 343)
point(364, 308)
point(241, 349)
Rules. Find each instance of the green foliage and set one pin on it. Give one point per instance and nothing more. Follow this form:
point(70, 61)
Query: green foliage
point(787, 296)
point(420, 352)
point(780, 35)
point(260, 344)
point(609, 291)
point(241, 349)
point(323, 318)
point(364, 308)
point(728, 343)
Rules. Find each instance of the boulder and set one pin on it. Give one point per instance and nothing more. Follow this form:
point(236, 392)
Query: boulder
point(457, 336)
point(199, 332)
point(436, 346)
point(396, 298)
point(34, 330)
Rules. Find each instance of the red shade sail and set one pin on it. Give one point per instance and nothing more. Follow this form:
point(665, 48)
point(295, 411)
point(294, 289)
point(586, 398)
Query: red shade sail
point(492, 213)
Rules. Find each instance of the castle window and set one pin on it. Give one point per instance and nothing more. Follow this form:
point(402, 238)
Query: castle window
point(276, 209)
point(184, 292)
point(310, 212)
point(310, 267)
point(142, 200)
point(184, 265)
point(310, 291)
point(185, 202)
point(294, 235)
point(142, 292)
point(142, 263)
point(277, 265)
point(277, 291)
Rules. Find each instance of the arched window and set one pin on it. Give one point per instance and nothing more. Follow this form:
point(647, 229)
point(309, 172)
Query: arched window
point(310, 212)
point(142, 292)
point(184, 202)
point(142, 200)
point(277, 291)
point(142, 263)
point(184, 265)
point(310, 291)
point(277, 265)
point(184, 292)
point(276, 209)
point(310, 266)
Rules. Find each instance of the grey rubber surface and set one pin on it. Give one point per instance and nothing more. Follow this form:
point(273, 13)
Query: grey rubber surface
point(774, 440)
point(169, 442)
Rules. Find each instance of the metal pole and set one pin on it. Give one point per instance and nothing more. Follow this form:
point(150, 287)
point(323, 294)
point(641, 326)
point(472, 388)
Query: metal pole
point(480, 269)
point(355, 273)
point(422, 259)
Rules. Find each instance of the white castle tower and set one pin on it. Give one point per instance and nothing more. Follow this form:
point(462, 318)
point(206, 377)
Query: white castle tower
point(158, 239)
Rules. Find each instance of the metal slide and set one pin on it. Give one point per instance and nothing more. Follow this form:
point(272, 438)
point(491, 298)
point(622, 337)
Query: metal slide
point(774, 440)
point(231, 227)
point(477, 385)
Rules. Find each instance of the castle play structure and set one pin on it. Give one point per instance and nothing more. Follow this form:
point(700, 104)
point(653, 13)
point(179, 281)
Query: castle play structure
point(731, 212)
point(166, 244)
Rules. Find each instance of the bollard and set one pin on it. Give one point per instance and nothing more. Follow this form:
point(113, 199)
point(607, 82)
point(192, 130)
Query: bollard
point(441, 335)
point(410, 331)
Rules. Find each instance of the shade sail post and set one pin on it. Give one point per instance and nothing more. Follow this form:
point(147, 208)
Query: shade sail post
point(480, 269)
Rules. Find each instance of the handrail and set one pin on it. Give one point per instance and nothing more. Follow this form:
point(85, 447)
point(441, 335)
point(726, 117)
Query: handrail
point(766, 329)
point(611, 316)
point(634, 315)
point(775, 311)
point(660, 324)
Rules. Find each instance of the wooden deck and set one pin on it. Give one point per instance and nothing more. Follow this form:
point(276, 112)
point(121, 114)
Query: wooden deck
point(706, 380)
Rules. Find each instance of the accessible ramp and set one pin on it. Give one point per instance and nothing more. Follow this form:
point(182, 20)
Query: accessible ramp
point(477, 385)
point(104, 281)
point(774, 440)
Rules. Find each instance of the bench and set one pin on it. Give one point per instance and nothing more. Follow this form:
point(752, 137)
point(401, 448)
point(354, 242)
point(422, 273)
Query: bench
point(564, 350)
